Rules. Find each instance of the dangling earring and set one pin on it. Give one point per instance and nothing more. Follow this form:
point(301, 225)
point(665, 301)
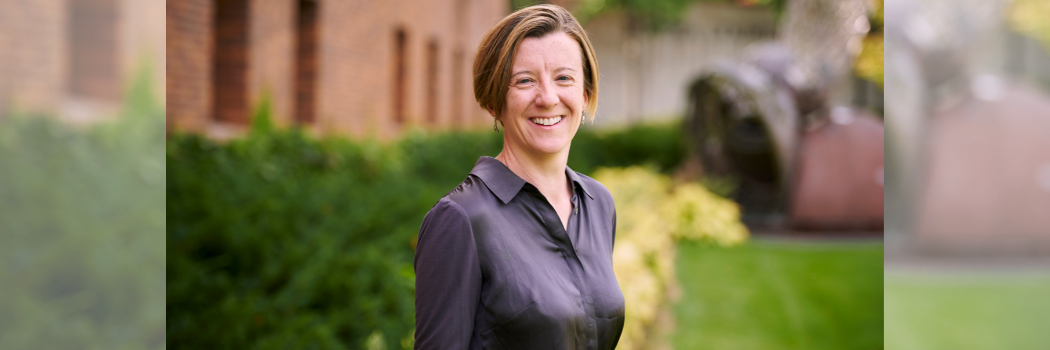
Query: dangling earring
point(583, 117)
point(494, 125)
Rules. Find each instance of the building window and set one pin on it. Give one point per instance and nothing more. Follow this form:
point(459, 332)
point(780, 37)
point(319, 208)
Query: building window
point(306, 62)
point(400, 75)
point(92, 39)
point(230, 74)
point(457, 87)
point(432, 77)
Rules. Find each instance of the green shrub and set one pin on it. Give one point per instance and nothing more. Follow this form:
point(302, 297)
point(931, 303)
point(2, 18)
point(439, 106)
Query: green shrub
point(280, 240)
point(81, 221)
point(660, 146)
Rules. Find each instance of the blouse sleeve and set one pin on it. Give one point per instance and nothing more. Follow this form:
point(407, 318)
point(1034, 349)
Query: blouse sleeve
point(448, 279)
point(613, 230)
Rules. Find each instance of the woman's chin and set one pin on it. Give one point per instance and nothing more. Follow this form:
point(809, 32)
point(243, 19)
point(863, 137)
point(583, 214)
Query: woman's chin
point(549, 148)
point(539, 143)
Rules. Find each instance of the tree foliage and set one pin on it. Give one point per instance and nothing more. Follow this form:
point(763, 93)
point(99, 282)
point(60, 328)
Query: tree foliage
point(654, 15)
point(641, 14)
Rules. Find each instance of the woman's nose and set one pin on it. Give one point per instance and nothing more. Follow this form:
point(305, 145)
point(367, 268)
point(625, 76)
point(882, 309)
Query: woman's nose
point(546, 96)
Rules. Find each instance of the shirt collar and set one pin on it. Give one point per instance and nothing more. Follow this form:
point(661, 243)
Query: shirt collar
point(579, 183)
point(505, 184)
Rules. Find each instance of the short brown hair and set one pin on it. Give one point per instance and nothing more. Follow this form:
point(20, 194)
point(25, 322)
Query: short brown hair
point(492, 64)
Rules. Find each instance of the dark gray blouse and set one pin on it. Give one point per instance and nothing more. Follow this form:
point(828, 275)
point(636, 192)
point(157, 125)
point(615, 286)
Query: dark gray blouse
point(495, 268)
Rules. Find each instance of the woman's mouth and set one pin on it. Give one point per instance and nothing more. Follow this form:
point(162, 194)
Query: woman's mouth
point(546, 121)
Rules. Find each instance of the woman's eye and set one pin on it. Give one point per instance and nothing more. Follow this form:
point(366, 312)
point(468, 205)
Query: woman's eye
point(524, 81)
point(565, 78)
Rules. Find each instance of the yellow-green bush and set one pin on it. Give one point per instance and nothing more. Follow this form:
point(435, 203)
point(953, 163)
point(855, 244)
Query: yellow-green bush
point(1029, 18)
point(698, 214)
point(651, 215)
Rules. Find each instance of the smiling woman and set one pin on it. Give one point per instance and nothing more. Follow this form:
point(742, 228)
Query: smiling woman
point(546, 89)
point(519, 255)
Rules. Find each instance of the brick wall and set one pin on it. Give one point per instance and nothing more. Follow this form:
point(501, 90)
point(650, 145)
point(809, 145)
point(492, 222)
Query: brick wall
point(352, 71)
point(34, 60)
point(142, 41)
point(366, 55)
point(73, 58)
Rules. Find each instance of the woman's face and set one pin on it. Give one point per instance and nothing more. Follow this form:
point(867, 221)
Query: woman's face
point(546, 96)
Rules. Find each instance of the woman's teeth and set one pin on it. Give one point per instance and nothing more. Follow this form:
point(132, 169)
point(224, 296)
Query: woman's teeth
point(546, 121)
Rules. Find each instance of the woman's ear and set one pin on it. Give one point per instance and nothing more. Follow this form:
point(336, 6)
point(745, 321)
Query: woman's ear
point(586, 97)
point(491, 112)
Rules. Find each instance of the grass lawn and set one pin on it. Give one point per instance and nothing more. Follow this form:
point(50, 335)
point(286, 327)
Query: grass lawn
point(780, 295)
point(962, 311)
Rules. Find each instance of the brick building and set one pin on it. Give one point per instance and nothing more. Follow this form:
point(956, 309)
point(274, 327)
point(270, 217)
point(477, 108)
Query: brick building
point(352, 67)
point(74, 58)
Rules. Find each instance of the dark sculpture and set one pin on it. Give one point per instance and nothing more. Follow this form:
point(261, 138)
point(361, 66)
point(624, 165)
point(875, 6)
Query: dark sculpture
point(765, 126)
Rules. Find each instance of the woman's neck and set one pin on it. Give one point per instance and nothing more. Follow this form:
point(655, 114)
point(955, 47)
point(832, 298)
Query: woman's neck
point(546, 172)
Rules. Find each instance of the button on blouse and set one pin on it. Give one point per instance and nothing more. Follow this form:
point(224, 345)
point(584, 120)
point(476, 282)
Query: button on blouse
point(496, 269)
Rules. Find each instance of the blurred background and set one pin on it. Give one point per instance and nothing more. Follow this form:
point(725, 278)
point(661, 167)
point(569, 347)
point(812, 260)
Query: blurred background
point(82, 174)
point(968, 163)
point(742, 139)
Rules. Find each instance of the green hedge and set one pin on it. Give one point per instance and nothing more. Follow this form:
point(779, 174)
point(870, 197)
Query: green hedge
point(82, 222)
point(280, 240)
